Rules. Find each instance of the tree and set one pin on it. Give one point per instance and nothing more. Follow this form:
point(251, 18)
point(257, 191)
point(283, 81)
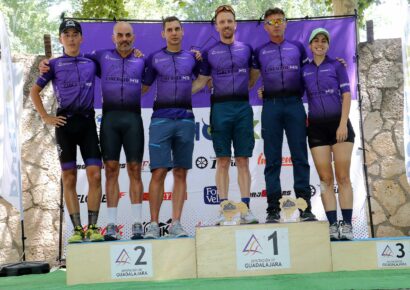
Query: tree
point(27, 22)
point(111, 9)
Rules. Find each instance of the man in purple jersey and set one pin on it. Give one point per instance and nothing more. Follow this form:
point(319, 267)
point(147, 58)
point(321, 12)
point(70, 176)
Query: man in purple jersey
point(229, 62)
point(172, 128)
point(280, 62)
point(121, 72)
point(73, 81)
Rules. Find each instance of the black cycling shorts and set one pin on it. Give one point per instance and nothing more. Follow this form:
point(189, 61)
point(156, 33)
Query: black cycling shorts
point(324, 133)
point(122, 128)
point(79, 130)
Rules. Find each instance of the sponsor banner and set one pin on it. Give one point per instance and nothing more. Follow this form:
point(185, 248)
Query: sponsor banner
point(262, 249)
point(393, 254)
point(131, 261)
point(11, 93)
point(201, 205)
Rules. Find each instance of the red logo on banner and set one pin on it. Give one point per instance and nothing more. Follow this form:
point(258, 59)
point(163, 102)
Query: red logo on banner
point(167, 195)
point(263, 192)
point(122, 193)
point(286, 160)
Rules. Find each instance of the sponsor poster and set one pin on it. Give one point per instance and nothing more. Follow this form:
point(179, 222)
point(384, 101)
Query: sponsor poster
point(131, 261)
point(201, 202)
point(262, 249)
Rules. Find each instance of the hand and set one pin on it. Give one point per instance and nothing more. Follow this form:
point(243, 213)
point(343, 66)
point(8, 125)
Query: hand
point(44, 66)
point(341, 133)
point(342, 61)
point(209, 83)
point(260, 92)
point(138, 53)
point(57, 121)
point(198, 54)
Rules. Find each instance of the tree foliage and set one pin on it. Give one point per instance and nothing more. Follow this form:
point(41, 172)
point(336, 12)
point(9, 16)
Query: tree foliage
point(27, 22)
point(111, 9)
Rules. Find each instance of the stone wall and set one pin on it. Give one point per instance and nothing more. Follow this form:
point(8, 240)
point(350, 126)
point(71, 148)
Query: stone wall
point(381, 77)
point(382, 90)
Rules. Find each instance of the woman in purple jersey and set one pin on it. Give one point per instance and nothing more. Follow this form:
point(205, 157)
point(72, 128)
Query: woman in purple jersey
point(330, 132)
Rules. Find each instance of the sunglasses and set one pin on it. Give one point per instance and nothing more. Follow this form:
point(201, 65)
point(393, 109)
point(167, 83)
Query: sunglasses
point(275, 21)
point(222, 8)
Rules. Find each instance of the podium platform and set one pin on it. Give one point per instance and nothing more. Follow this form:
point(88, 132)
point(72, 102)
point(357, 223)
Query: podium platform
point(124, 261)
point(371, 254)
point(263, 249)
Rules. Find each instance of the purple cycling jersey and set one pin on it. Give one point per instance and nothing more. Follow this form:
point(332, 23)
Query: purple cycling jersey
point(120, 79)
point(280, 66)
point(325, 85)
point(229, 66)
point(173, 72)
point(73, 82)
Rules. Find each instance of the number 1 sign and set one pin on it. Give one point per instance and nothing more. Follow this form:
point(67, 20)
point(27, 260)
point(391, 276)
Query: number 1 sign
point(262, 249)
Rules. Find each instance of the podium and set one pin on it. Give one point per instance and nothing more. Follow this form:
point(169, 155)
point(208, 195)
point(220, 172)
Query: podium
point(264, 249)
point(371, 254)
point(124, 261)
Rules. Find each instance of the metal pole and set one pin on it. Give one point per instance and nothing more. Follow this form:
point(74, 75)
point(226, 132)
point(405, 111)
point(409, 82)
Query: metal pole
point(359, 97)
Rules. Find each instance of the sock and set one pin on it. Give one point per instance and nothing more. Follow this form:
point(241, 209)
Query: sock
point(347, 215)
point(112, 215)
point(76, 219)
point(246, 200)
point(136, 212)
point(222, 200)
point(331, 216)
point(92, 217)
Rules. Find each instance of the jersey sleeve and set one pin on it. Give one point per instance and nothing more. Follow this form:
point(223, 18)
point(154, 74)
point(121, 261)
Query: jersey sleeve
point(205, 68)
point(342, 77)
point(43, 79)
point(150, 72)
point(303, 55)
point(255, 59)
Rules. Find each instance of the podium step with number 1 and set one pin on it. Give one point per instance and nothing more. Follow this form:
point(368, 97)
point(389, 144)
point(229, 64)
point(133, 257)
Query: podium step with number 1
point(264, 249)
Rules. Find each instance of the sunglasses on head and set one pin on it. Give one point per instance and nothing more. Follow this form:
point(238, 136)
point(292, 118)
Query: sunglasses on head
point(222, 8)
point(278, 21)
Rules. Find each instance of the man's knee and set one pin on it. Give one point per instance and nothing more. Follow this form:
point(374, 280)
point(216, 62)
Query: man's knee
point(326, 182)
point(112, 169)
point(223, 163)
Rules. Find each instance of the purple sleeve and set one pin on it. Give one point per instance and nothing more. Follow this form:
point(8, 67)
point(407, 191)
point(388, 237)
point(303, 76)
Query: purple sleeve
point(205, 68)
point(342, 77)
point(255, 59)
point(150, 73)
point(94, 55)
point(43, 80)
point(303, 55)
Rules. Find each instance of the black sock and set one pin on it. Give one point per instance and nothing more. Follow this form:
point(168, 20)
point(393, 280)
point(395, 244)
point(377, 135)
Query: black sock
point(92, 217)
point(331, 216)
point(76, 219)
point(347, 215)
point(246, 200)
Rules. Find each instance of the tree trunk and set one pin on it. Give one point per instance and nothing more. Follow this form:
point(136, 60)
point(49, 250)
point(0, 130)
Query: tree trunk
point(344, 7)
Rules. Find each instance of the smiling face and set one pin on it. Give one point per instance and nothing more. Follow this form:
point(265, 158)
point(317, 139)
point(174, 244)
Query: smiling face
point(123, 37)
point(319, 45)
point(173, 33)
point(71, 40)
point(226, 25)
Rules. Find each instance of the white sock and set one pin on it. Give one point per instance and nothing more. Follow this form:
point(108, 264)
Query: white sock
point(136, 212)
point(112, 215)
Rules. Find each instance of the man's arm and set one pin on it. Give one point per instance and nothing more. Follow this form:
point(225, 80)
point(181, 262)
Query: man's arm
point(199, 83)
point(254, 75)
point(38, 104)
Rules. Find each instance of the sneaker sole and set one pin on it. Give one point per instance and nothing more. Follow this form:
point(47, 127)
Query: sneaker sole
point(110, 238)
point(137, 237)
point(249, 223)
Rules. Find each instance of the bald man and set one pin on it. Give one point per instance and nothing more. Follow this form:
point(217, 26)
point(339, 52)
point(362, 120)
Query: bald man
point(121, 126)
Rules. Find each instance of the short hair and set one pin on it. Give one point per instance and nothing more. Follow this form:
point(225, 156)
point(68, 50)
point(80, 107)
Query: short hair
point(272, 11)
point(170, 19)
point(224, 8)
